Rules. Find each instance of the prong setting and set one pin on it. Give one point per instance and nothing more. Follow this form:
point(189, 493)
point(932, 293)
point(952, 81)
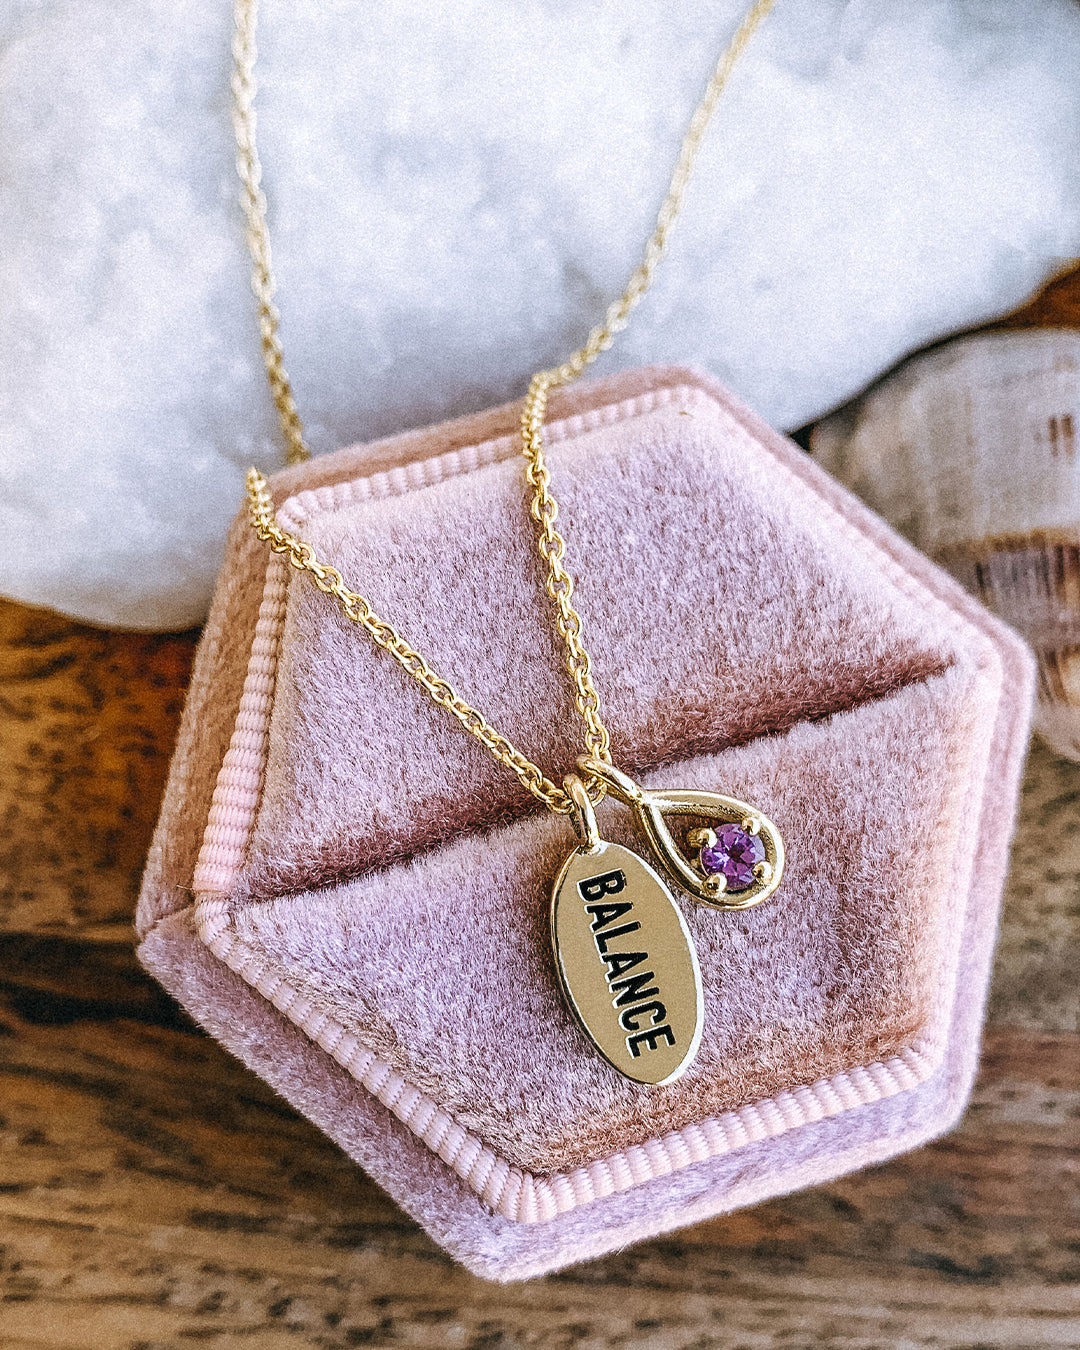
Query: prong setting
point(731, 859)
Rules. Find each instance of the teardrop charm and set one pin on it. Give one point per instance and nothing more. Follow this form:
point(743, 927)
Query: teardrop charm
point(736, 867)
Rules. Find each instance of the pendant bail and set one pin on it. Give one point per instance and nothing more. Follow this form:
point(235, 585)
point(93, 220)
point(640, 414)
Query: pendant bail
point(621, 786)
point(582, 813)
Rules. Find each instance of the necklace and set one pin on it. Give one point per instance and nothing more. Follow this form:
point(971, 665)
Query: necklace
point(624, 955)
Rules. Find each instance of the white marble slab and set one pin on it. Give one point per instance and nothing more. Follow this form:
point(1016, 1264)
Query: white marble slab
point(457, 190)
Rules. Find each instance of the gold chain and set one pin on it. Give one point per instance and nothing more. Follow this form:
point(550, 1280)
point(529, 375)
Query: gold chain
point(253, 201)
point(545, 510)
point(356, 608)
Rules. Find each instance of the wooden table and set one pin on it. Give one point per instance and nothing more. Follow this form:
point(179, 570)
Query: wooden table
point(154, 1194)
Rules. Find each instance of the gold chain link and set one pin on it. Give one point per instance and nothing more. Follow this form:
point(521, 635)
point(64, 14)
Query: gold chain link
point(545, 510)
point(253, 202)
point(560, 585)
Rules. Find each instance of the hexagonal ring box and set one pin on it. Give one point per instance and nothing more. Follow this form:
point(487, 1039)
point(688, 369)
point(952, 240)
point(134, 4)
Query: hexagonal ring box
point(353, 896)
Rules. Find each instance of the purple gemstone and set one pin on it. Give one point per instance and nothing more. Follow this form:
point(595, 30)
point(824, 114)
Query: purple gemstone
point(735, 853)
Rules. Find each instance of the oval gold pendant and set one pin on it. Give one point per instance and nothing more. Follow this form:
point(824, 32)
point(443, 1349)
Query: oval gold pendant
point(627, 962)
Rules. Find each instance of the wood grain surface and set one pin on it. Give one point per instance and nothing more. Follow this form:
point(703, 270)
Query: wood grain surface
point(87, 723)
point(1057, 305)
point(153, 1193)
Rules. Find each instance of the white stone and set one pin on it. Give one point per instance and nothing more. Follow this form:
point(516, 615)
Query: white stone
point(456, 192)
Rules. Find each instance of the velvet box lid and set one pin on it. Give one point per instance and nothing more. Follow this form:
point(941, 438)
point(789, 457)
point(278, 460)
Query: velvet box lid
point(352, 896)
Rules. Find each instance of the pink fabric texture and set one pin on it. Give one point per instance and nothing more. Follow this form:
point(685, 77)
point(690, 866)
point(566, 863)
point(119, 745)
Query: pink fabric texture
point(370, 921)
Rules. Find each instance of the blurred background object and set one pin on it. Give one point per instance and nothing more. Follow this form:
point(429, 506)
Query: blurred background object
point(972, 450)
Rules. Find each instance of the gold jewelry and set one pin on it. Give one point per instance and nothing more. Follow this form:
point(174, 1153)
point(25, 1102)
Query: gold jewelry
point(592, 973)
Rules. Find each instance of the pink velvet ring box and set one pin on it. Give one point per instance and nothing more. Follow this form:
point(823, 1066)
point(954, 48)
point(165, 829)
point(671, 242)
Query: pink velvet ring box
point(353, 896)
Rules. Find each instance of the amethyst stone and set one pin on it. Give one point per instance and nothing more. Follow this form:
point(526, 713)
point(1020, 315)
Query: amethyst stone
point(735, 853)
